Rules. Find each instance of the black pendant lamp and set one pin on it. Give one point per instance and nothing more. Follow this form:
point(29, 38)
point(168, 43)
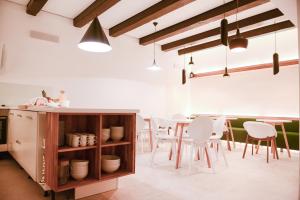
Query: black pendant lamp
point(224, 30)
point(191, 61)
point(183, 72)
point(238, 43)
point(192, 75)
point(226, 74)
point(94, 39)
point(275, 59)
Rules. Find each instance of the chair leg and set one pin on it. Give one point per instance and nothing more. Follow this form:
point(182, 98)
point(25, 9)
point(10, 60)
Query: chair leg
point(275, 147)
point(257, 147)
point(207, 157)
point(228, 143)
point(153, 153)
point(252, 147)
point(267, 151)
point(245, 146)
point(191, 157)
point(222, 151)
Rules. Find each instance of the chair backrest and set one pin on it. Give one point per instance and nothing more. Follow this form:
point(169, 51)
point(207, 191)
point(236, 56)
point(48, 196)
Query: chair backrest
point(259, 129)
point(178, 116)
point(219, 126)
point(200, 129)
point(140, 123)
point(162, 123)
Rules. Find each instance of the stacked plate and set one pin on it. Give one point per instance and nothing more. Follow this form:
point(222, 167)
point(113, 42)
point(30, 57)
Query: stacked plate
point(79, 169)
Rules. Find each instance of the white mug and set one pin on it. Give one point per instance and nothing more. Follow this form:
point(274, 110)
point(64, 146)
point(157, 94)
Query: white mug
point(91, 139)
point(83, 140)
point(75, 140)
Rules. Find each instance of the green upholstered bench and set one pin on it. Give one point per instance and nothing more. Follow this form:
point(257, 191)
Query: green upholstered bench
point(292, 131)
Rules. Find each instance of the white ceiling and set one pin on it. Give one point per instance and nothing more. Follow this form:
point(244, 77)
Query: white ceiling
point(127, 8)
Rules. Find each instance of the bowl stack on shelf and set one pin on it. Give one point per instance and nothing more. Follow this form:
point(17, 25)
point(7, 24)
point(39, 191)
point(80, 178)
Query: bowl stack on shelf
point(110, 163)
point(116, 133)
point(79, 169)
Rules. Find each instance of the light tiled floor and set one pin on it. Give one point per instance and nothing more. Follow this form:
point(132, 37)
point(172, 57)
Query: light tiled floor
point(251, 178)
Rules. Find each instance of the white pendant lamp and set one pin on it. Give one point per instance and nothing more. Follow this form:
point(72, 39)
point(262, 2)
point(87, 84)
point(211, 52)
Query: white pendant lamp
point(154, 66)
point(95, 40)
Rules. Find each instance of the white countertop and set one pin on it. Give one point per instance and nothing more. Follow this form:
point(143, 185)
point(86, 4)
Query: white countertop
point(78, 110)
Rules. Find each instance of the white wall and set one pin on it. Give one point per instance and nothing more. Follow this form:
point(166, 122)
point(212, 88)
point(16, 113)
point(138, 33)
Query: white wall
point(115, 79)
point(247, 93)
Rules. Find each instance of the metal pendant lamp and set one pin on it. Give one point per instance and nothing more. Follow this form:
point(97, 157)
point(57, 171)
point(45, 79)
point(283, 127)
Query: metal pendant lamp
point(191, 61)
point(154, 66)
point(226, 74)
point(224, 30)
point(275, 58)
point(94, 39)
point(238, 43)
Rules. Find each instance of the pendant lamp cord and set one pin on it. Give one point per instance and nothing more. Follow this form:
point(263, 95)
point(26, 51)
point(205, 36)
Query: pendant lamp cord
point(237, 10)
point(224, 12)
point(184, 61)
point(155, 24)
point(275, 39)
point(226, 56)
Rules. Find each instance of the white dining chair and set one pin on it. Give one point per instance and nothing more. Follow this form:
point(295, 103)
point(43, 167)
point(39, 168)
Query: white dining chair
point(161, 136)
point(219, 127)
point(140, 131)
point(259, 131)
point(200, 131)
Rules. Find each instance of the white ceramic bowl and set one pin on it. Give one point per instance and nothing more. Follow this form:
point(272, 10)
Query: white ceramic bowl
point(105, 134)
point(79, 176)
point(79, 163)
point(117, 133)
point(110, 163)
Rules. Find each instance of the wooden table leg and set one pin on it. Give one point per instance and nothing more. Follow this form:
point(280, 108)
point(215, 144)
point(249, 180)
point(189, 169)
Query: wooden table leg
point(231, 133)
point(285, 140)
point(171, 152)
point(179, 147)
point(150, 134)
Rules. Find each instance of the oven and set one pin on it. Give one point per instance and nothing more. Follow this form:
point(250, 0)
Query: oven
point(3, 129)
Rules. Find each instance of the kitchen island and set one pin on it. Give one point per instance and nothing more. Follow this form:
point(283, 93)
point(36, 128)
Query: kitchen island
point(42, 133)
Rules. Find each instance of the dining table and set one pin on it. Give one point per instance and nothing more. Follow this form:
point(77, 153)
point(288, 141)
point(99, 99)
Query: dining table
point(279, 122)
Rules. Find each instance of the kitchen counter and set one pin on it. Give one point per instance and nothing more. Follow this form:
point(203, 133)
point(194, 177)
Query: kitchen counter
point(78, 110)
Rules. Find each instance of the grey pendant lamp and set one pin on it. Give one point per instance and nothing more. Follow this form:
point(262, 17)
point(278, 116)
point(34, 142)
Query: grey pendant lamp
point(226, 74)
point(238, 43)
point(154, 66)
point(94, 39)
point(275, 58)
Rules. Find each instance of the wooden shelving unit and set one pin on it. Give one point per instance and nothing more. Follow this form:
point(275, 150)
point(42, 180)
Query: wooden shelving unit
point(68, 149)
point(112, 144)
point(89, 123)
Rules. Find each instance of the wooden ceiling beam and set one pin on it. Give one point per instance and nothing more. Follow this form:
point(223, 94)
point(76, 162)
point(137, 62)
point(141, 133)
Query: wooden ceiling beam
point(201, 19)
point(247, 68)
point(216, 31)
point(248, 34)
point(153, 12)
point(94, 10)
point(35, 6)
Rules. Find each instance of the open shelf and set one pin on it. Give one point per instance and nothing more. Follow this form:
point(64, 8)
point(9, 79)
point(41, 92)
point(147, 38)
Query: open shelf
point(68, 149)
point(119, 173)
point(74, 183)
point(111, 144)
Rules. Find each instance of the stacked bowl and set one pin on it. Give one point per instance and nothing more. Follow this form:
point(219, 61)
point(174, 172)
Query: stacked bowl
point(79, 169)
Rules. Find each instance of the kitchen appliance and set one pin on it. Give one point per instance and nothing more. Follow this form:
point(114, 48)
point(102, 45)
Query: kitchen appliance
point(3, 129)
